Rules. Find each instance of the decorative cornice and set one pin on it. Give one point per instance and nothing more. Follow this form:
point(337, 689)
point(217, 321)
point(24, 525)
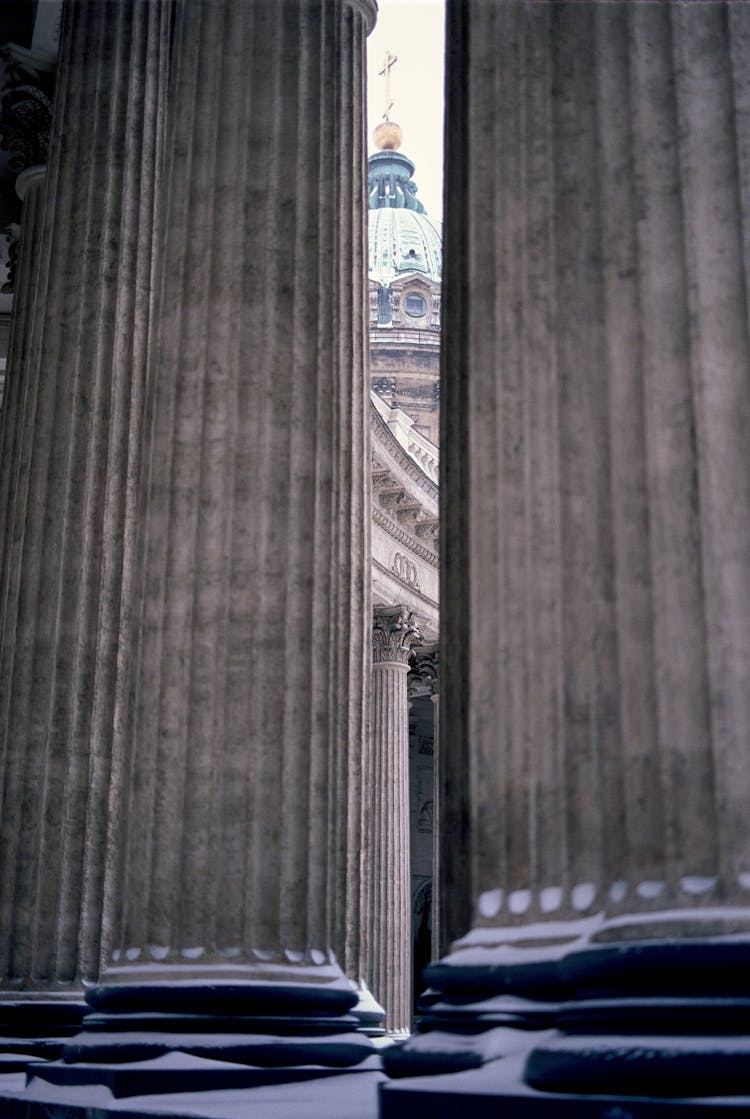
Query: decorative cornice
point(394, 631)
point(383, 434)
point(384, 521)
point(421, 602)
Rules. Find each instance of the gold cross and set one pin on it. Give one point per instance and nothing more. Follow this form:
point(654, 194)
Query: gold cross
point(388, 62)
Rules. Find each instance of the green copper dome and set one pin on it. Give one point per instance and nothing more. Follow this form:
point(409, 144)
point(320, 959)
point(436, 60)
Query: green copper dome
point(402, 238)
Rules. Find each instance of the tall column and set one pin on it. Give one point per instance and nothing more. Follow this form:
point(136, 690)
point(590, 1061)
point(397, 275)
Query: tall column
point(235, 791)
point(70, 437)
point(425, 673)
point(387, 787)
point(597, 500)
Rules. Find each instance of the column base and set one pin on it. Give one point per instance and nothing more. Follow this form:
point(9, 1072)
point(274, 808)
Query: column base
point(190, 1036)
point(36, 1028)
point(622, 1030)
point(368, 1012)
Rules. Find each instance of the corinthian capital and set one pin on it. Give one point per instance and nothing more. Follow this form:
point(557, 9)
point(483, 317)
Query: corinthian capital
point(394, 631)
point(25, 106)
point(424, 677)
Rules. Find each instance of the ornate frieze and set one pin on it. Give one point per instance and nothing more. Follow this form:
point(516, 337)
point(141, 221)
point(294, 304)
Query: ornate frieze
point(394, 631)
point(384, 521)
point(405, 569)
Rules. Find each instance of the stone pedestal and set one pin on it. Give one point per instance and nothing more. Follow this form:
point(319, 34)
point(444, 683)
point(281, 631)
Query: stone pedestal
point(596, 497)
point(394, 633)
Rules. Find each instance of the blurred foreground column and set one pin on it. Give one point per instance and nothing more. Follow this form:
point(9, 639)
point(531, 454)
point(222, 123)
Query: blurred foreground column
point(69, 453)
point(596, 494)
point(235, 804)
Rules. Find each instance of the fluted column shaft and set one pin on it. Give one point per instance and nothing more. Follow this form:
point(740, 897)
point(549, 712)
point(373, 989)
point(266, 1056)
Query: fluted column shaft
point(388, 851)
point(238, 830)
point(596, 468)
point(70, 457)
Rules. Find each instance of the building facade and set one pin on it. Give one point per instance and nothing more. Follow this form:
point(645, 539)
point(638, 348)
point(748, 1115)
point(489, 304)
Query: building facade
point(189, 831)
point(405, 267)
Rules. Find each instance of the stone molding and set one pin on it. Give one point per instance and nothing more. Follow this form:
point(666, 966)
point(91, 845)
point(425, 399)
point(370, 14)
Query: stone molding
point(384, 521)
point(383, 435)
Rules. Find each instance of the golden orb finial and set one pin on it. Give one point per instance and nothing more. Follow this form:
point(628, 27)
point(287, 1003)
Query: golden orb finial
point(387, 136)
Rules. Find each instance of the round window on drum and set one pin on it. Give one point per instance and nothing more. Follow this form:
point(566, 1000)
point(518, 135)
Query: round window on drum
point(415, 305)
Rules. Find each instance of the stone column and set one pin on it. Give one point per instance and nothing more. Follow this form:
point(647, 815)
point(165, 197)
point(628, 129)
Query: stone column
point(387, 788)
point(70, 439)
point(234, 828)
point(597, 506)
point(425, 669)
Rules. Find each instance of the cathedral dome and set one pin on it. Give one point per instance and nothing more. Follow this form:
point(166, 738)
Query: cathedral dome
point(402, 237)
point(403, 241)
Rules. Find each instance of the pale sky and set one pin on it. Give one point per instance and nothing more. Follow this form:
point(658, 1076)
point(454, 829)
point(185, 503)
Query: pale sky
point(413, 30)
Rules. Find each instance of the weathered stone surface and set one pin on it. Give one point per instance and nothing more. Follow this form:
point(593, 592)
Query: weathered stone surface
point(236, 838)
point(597, 492)
point(596, 527)
point(69, 461)
point(388, 918)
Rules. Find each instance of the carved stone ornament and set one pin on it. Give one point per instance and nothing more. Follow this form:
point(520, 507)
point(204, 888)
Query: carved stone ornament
point(25, 107)
point(25, 121)
point(424, 675)
point(405, 569)
point(384, 386)
point(394, 631)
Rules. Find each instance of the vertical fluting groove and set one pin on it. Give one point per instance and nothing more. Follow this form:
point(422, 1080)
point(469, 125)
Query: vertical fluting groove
point(361, 664)
point(232, 842)
point(135, 305)
point(457, 887)
point(679, 632)
point(79, 362)
point(512, 842)
point(485, 556)
point(632, 773)
point(72, 675)
point(576, 559)
point(739, 46)
point(205, 726)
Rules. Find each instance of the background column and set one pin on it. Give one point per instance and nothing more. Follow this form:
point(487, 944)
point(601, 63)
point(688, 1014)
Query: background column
point(393, 634)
